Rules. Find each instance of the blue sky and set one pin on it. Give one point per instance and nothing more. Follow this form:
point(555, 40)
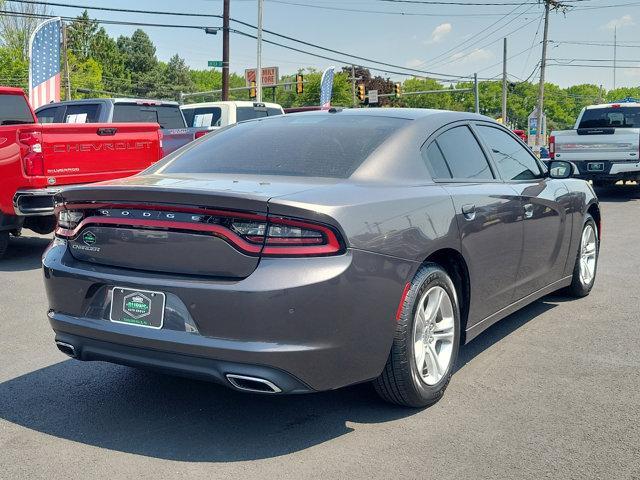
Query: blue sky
point(437, 38)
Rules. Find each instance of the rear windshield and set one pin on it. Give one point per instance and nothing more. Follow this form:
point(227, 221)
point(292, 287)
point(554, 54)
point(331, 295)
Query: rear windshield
point(249, 113)
point(328, 145)
point(14, 110)
point(168, 116)
point(621, 117)
point(82, 113)
point(202, 116)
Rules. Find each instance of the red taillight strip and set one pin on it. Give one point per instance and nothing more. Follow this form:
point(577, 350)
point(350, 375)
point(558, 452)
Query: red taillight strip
point(216, 230)
point(405, 292)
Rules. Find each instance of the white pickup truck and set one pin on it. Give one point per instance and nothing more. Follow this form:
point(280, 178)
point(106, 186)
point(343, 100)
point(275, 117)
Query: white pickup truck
point(214, 115)
point(604, 145)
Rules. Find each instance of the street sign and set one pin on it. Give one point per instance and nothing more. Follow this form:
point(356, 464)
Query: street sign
point(270, 76)
point(373, 96)
point(214, 63)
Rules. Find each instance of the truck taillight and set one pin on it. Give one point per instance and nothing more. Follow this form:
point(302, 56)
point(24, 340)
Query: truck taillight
point(31, 149)
point(160, 144)
point(552, 147)
point(201, 133)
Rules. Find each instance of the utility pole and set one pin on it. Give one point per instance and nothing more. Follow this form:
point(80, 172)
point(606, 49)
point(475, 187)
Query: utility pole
point(476, 93)
point(615, 54)
point(225, 50)
point(259, 59)
point(543, 65)
point(67, 90)
point(504, 83)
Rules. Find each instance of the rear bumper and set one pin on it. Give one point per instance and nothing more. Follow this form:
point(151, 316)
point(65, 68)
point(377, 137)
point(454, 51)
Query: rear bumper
point(37, 202)
point(611, 170)
point(323, 322)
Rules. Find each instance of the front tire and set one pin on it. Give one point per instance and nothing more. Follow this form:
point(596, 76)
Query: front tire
point(586, 265)
point(426, 342)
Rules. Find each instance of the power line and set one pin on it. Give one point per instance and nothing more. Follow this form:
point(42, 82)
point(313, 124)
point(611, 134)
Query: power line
point(482, 4)
point(382, 12)
point(447, 77)
point(286, 37)
point(456, 47)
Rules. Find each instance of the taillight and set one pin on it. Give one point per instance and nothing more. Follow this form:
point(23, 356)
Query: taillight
point(253, 234)
point(552, 147)
point(200, 134)
point(160, 144)
point(31, 150)
point(289, 237)
point(69, 219)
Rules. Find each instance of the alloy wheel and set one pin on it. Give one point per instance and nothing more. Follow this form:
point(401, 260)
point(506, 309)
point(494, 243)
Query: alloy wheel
point(433, 335)
point(588, 254)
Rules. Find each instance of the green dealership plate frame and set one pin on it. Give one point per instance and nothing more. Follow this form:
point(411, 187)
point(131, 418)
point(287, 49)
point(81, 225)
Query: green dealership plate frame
point(139, 308)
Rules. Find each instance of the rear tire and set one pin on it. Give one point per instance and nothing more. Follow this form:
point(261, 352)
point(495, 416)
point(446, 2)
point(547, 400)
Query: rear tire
point(4, 242)
point(586, 265)
point(425, 346)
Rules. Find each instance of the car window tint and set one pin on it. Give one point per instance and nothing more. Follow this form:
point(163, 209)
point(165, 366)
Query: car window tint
point(14, 110)
point(435, 162)
point(202, 116)
point(463, 154)
point(249, 113)
point(274, 111)
point(300, 145)
point(47, 115)
point(168, 116)
point(83, 113)
point(512, 159)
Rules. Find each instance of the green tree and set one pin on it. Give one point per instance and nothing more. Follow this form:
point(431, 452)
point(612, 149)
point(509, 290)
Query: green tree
point(80, 36)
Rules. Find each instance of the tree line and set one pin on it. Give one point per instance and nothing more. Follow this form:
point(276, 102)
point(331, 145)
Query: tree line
point(100, 65)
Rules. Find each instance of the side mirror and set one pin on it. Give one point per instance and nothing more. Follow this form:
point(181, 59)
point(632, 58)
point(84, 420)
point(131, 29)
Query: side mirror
point(560, 169)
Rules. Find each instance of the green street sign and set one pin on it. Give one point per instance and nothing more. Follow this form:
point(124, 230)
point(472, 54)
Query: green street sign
point(214, 63)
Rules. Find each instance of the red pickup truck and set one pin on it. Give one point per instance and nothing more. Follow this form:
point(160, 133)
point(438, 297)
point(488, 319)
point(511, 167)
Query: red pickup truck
point(37, 161)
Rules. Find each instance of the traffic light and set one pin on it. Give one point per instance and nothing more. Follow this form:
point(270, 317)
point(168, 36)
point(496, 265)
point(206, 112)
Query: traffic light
point(361, 92)
point(252, 90)
point(397, 89)
point(299, 83)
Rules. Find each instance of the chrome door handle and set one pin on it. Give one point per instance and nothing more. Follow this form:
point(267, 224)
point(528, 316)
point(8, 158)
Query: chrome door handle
point(528, 210)
point(469, 211)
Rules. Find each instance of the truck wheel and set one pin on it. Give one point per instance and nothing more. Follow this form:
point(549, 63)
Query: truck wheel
point(4, 242)
point(425, 347)
point(586, 266)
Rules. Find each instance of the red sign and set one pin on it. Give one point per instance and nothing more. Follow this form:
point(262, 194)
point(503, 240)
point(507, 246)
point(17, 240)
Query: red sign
point(269, 76)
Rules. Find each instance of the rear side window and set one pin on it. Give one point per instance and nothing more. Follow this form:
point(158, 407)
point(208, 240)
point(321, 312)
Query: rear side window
point(463, 154)
point(273, 111)
point(168, 116)
point(436, 164)
point(621, 117)
point(14, 110)
point(47, 115)
point(202, 116)
point(326, 145)
point(83, 113)
point(512, 159)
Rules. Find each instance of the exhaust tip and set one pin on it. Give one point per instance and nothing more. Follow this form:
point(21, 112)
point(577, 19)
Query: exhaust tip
point(67, 349)
point(252, 384)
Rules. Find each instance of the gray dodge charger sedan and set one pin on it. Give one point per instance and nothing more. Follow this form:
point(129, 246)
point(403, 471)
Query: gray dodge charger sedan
point(307, 252)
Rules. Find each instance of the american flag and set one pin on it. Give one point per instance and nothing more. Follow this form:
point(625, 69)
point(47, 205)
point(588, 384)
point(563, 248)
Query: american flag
point(44, 63)
point(326, 88)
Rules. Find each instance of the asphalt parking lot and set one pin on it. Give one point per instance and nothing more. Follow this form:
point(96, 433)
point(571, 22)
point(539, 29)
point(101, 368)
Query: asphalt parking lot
point(552, 391)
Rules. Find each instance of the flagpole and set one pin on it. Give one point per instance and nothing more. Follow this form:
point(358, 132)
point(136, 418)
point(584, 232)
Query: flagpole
point(259, 54)
point(66, 62)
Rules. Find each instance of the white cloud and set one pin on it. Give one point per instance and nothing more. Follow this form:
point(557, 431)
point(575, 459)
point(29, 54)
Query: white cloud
point(624, 21)
point(414, 62)
point(477, 55)
point(440, 32)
